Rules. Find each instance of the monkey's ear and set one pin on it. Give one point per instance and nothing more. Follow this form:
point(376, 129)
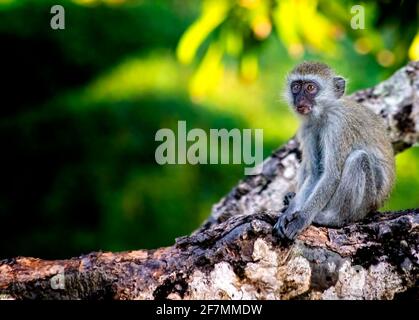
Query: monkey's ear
point(339, 84)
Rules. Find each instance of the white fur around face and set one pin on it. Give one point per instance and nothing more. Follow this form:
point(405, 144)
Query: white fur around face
point(305, 77)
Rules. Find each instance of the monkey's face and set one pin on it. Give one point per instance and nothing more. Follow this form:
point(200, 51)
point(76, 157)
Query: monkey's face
point(304, 93)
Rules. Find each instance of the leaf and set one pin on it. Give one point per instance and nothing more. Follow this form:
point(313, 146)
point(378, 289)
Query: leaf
point(214, 13)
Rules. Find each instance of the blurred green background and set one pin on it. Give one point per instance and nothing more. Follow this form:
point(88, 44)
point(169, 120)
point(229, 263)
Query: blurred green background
point(80, 107)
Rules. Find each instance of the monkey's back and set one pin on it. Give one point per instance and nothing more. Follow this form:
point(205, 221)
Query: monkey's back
point(363, 129)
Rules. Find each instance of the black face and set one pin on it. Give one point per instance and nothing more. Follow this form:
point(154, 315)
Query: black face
point(303, 93)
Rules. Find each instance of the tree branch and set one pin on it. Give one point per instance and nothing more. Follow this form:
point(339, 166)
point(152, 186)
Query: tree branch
point(234, 256)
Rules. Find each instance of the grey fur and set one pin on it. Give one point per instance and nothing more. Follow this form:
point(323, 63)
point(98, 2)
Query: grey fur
point(347, 167)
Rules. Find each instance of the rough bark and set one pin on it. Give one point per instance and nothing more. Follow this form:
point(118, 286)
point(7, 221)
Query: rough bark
point(234, 256)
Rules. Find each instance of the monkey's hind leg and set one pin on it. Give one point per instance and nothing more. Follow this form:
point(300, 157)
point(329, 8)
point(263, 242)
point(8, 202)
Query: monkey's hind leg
point(354, 196)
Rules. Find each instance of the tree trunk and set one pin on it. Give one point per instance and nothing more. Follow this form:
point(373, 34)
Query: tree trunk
point(234, 256)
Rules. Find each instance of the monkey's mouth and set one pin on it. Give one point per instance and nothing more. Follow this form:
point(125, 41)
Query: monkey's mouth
point(303, 108)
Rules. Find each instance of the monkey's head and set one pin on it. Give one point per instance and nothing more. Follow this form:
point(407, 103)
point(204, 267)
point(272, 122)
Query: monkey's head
point(313, 85)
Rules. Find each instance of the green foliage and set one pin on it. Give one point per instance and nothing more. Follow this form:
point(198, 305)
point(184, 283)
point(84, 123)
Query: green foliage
point(239, 29)
point(81, 107)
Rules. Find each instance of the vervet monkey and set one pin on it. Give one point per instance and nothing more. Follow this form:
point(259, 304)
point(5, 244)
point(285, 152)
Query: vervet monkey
point(347, 167)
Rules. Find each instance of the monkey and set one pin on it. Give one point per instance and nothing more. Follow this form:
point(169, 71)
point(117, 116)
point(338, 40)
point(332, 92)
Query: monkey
point(347, 168)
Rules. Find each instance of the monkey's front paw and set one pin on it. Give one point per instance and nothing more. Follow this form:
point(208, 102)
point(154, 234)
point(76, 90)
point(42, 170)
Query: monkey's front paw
point(287, 198)
point(289, 225)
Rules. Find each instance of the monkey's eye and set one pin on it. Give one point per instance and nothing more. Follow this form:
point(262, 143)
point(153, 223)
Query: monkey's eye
point(311, 88)
point(295, 87)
